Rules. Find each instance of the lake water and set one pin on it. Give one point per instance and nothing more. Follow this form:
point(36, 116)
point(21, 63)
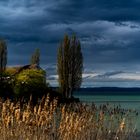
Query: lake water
point(132, 102)
point(126, 102)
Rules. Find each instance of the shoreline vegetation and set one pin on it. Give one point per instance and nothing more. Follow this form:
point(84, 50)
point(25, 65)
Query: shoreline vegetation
point(76, 121)
point(32, 110)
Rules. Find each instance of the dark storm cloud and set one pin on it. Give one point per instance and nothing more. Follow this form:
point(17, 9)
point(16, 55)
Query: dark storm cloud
point(98, 9)
point(109, 30)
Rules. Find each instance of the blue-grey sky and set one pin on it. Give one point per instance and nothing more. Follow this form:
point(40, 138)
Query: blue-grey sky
point(109, 31)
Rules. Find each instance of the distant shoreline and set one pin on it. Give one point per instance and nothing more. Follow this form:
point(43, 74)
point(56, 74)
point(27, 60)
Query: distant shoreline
point(107, 91)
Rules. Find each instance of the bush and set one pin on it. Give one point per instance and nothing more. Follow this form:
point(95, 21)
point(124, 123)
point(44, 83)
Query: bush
point(30, 81)
point(6, 84)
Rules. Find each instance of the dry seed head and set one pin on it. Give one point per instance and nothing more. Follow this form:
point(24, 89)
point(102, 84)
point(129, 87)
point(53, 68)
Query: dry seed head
point(122, 125)
point(35, 110)
point(17, 114)
point(4, 107)
point(12, 120)
point(47, 99)
point(8, 121)
point(63, 110)
point(39, 110)
point(25, 116)
point(55, 102)
point(11, 106)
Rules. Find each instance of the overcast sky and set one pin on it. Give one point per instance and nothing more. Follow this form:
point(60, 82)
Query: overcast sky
point(109, 31)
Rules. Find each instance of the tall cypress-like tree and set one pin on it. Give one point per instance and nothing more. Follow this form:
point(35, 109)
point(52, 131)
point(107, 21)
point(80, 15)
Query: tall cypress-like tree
point(3, 55)
point(69, 65)
point(35, 59)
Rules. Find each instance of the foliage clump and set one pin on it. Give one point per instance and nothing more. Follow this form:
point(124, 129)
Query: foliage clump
point(30, 81)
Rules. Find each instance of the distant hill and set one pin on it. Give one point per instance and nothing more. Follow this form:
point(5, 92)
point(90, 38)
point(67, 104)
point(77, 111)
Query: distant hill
point(108, 91)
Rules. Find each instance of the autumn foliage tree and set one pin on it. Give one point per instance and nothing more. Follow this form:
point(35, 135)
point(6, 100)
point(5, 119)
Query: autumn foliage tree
point(69, 65)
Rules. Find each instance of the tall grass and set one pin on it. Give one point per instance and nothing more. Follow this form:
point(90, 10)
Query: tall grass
point(48, 121)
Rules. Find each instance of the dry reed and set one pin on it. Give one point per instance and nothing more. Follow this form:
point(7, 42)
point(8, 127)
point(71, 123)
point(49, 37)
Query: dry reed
point(48, 121)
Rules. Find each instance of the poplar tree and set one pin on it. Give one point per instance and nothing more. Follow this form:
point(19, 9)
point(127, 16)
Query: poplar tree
point(69, 65)
point(35, 58)
point(3, 55)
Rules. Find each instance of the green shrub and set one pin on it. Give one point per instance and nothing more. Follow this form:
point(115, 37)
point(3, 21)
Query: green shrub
point(30, 81)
